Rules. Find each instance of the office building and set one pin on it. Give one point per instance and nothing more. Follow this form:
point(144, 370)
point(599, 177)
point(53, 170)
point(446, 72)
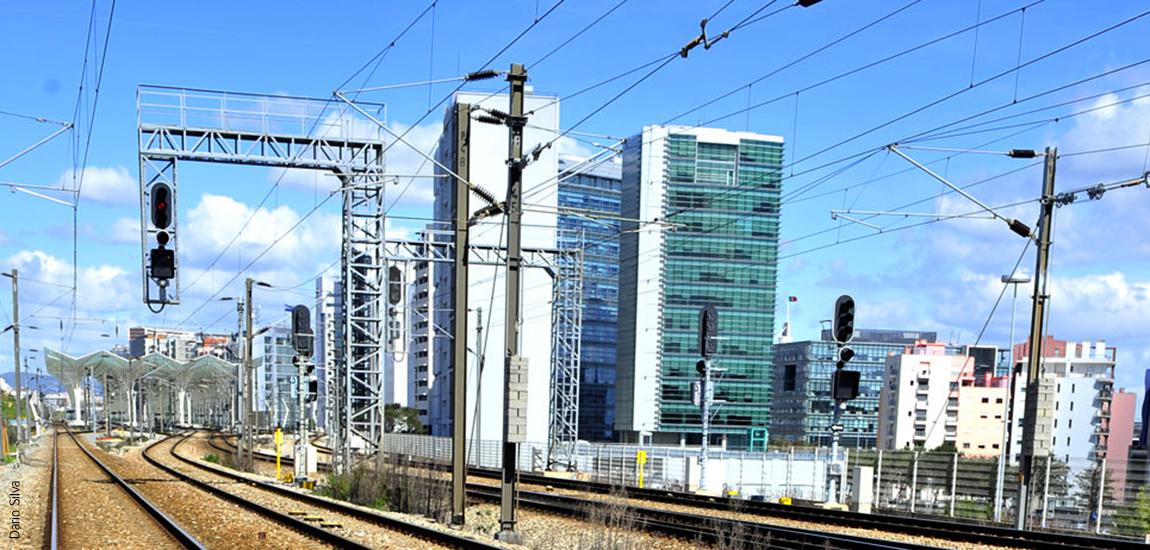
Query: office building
point(802, 409)
point(486, 283)
point(176, 344)
point(702, 206)
point(589, 198)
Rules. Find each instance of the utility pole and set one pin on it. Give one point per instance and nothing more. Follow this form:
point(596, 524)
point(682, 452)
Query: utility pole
point(514, 366)
point(708, 331)
point(459, 322)
point(1031, 440)
point(15, 276)
point(249, 377)
point(479, 361)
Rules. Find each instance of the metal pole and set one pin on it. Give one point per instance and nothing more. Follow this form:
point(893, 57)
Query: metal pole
point(914, 482)
point(878, 479)
point(1046, 492)
point(705, 449)
point(1030, 437)
point(836, 428)
point(14, 275)
point(249, 436)
point(512, 360)
point(1007, 424)
point(459, 328)
point(1101, 495)
point(953, 482)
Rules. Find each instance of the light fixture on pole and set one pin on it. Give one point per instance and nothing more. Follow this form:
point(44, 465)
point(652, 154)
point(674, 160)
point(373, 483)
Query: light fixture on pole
point(1008, 408)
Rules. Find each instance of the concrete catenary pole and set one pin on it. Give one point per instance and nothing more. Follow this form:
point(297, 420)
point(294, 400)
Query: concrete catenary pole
point(1030, 415)
point(514, 366)
point(459, 328)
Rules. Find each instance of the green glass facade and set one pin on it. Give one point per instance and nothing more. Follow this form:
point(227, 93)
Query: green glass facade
point(724, 199)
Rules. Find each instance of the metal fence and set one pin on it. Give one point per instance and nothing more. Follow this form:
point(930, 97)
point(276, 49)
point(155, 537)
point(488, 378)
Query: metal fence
point(1110, 497)
point(797, 473)
point(1068, 494)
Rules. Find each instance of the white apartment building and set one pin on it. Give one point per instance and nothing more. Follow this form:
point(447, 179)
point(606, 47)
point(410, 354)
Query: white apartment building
point(952, 400)
point(423, 333)
point(486, 284)
point(918, 405)
point(1075, 397)
point(327, 295)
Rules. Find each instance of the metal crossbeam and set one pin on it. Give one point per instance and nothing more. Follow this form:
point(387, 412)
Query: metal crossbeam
point(177, 124)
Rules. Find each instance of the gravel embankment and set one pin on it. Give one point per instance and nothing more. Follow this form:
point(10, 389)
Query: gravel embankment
point(215, 522)
point(33, 478)
point(95, 512)
point(735, 514)
point(353, 528)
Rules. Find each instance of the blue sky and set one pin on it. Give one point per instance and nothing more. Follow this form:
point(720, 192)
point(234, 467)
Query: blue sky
point(941, 276)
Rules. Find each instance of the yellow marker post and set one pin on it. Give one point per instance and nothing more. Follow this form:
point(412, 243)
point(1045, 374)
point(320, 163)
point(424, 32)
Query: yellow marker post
point(641, 460)
point(279, 438)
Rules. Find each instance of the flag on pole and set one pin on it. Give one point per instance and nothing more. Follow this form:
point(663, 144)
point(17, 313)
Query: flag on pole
point(792, 298)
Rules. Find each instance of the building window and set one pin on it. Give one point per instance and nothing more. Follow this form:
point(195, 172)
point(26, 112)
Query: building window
point(985, 400)
point(966, 445)
point(789, 375)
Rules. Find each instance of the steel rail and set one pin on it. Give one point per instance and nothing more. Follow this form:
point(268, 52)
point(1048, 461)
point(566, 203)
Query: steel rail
point(704, 527)
point(174, 529)
point(413, 529)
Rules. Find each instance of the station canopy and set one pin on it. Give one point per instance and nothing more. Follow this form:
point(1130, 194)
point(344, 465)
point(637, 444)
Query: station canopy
point(201, 371)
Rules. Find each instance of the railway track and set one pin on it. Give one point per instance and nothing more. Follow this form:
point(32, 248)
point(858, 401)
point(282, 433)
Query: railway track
point(96, 507)
point(989, 535)
point(925, 527)
point(709, 529)
point(278, 501)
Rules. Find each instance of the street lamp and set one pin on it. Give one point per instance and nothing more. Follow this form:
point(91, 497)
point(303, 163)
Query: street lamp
point(1003, 451)
point(249, 371)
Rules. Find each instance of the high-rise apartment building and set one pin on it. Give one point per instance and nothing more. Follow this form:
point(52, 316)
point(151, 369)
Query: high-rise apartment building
point(931, 399)
point(423, 333)
point(328, 294)
point(1076, 394)
point(589, 220)
point(802, 409)
point(487, 164)
point(702, 206)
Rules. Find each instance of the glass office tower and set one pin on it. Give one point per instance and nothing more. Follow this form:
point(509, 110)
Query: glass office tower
point(706, 205)
point(588, 219)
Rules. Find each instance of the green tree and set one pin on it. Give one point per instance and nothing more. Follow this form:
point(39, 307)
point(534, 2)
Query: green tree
point(401, 420)
point(1088, 486)
point(1133, 519)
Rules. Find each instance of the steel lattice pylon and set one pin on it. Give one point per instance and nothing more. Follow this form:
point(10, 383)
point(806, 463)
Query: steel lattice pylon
point(566, 338)
point(359, 420)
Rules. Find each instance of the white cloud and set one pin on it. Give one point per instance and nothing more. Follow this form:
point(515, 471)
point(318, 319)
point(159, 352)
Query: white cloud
point(211, 225)
point(101, 289)
point(403, 160)
point(126, 230)
point(106, 185)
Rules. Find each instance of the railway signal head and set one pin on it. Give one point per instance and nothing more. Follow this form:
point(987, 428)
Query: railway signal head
point(301, 330)
point(845, 384)
point(161, 206)
point(844, 319)
point(163, 264)
point(708, 330)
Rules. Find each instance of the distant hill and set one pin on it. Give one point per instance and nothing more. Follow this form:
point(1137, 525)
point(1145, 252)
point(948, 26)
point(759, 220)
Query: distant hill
point(47, 382)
